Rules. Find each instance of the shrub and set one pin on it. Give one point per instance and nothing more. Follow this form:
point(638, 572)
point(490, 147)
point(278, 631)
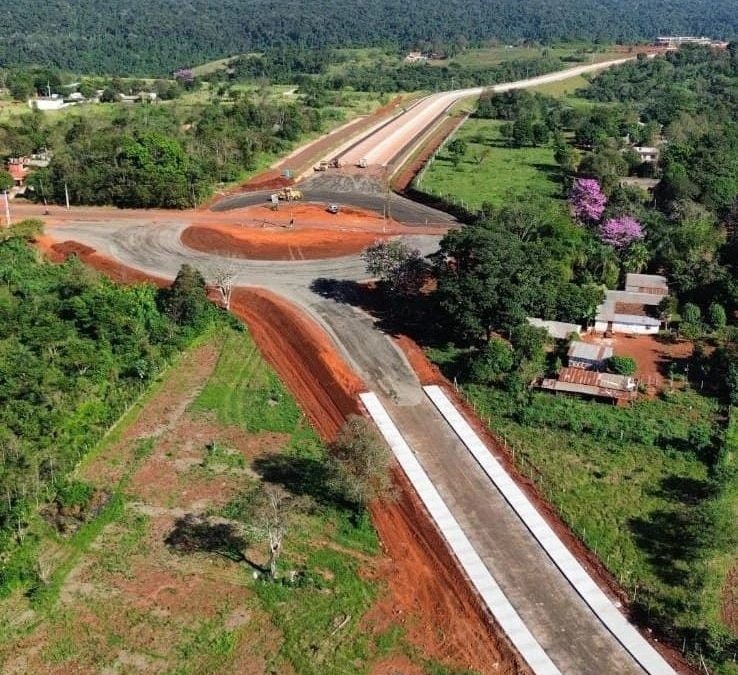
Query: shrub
point(621, 365)
point(492, 362)
point(74, 493)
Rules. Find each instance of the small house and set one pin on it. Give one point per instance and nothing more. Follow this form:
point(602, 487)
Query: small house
point(633, 311)
point(606, 386)
point(647, 154)
point(587, 356)
point(17, 170)
point(45, 103)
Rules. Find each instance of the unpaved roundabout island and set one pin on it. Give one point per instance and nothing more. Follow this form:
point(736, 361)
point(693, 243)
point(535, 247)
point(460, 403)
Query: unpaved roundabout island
point(293, 231)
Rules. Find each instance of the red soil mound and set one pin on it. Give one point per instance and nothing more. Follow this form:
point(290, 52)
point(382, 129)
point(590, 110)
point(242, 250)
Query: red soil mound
point(59, 252)
point(279, 245)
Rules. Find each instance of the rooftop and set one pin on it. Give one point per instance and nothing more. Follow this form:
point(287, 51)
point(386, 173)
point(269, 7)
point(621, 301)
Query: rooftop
point(592, 383)
point(559, 330)
point(645, 283)
point(590, 352)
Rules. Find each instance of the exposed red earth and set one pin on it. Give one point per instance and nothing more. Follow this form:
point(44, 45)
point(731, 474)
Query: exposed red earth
point(443, 618)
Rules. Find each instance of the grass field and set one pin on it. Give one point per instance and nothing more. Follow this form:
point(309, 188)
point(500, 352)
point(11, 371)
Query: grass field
point(485, 57)
point(490, 171)
point(120, 598)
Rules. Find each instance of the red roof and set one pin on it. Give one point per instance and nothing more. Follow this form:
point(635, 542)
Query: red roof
point(17, 171)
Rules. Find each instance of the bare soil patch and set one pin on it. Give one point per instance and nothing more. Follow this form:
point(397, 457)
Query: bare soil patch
point(61, 251)
point(281, 244)
point(729, 600)
point(652, 356)
point(303, 356)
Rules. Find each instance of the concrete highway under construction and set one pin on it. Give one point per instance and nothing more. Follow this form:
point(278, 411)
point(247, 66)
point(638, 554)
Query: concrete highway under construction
point(552, 611)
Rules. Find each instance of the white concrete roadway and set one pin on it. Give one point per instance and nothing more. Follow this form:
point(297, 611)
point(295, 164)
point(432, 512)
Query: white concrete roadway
point(379, 146)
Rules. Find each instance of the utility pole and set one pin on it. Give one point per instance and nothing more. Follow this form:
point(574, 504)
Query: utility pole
point(66, 195)
point(7, 209)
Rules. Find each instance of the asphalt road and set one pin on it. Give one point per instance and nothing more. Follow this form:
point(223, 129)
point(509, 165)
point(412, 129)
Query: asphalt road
point(345, 190)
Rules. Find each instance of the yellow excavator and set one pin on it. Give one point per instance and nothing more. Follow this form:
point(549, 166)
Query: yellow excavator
point(289, 194)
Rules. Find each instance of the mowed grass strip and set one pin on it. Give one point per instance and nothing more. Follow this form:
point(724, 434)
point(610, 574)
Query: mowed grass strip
point(246, 392)
point(490, 171)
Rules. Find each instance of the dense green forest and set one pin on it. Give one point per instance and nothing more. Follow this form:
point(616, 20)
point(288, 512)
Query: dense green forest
point(76, 350)
point(155, 37)
point(330, 69)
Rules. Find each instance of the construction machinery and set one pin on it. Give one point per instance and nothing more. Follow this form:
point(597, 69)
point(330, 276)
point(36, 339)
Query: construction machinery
point(323, 166)
point(362, 163)
point(289, 194)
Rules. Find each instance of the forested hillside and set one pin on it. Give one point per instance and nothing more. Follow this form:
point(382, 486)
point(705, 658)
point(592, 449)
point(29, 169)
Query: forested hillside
point(156, 36)
point(76, 350)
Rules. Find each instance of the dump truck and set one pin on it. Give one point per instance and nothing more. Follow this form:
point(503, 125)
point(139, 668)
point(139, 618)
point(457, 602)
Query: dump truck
point(289, 194)
point(362, 163)
point(323, 166)
point(335, 163)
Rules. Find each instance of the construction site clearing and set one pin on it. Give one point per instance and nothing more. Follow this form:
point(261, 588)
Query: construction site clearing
point(304, 231)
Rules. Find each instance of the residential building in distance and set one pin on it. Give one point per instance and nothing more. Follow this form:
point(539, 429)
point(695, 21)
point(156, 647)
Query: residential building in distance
point(633, 311)
point(45, 103)
point(648, 154)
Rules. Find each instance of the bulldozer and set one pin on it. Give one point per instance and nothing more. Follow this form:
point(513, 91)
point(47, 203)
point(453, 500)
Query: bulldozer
point(289, 194)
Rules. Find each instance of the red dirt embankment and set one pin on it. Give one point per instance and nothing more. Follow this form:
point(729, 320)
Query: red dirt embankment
point(302, 355)
point(427, 592)
point(61, 251)
point(443, 617)
point(306, 244)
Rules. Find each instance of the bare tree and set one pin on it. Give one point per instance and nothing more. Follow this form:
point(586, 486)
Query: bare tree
point(272, 511)
point(358, 463)
point(224, 276)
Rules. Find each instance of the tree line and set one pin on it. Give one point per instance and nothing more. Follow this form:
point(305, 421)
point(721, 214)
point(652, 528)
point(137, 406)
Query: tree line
point(75, 351)
point(153, 155)
point(146, 37)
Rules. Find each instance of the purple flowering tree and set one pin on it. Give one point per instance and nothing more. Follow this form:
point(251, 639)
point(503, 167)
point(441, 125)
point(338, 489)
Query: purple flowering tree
point(185, 77)
point(621, 232)
point(587, 200)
